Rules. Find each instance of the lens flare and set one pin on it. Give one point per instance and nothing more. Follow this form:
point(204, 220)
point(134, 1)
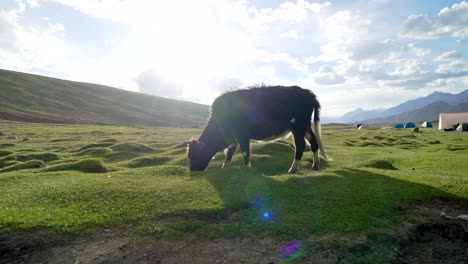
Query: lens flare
point(292, 250)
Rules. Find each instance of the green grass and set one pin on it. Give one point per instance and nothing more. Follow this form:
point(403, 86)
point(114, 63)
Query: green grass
point(139, 182)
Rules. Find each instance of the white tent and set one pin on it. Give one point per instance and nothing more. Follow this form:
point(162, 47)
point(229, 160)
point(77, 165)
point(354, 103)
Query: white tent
point(446, 120)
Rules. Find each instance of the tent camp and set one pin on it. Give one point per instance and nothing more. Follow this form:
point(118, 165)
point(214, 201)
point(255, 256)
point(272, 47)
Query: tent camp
point(410, 125)
point(398, 126)
point(426, 124)
point(446, 120)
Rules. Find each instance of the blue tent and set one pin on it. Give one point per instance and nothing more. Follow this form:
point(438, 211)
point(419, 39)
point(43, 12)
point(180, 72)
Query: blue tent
point(398, 126)
point(426, 124)
point(410, 125)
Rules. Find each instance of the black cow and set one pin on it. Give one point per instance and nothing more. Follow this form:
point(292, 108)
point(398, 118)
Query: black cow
point(258, 112)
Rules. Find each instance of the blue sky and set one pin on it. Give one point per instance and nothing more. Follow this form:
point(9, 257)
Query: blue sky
point(363, 53)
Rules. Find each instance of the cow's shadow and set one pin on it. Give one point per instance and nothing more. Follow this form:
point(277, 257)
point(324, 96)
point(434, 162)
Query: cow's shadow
point(296, 205)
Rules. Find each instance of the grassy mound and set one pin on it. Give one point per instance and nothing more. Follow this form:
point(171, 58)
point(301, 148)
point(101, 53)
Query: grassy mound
point(147, 161)
point(370, 143)
point(383, 164)
point(31, 164)
point(95, 145)
point(176, 151)
point(44, 156)
point(6, 163)
point(108, 140)
point(271, 148)
point(456, 147)
point(87, 165)
point(132, 147)
point(94, 152)
point(5, 153)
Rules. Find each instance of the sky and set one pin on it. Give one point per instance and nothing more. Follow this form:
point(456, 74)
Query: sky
point(352, 54)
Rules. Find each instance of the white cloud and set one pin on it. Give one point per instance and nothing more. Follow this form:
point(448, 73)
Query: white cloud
point(410, 67)
point(449, 56)
point(267, 56)
point(24, 48)
point(437, 83)
point(33, 3)
point(151, 82)
point(327, 76)
point(265, 70)
point(259, 20)
point(449, 22)
point(290, 34)
point(453, 67)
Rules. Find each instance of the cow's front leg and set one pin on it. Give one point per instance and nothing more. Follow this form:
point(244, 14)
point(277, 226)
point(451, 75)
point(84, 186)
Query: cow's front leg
point(230, 152)
point(245, 150)
point(299, 144)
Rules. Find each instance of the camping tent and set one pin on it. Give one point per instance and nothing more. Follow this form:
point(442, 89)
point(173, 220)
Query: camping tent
point(462, 127)
point(410, 125)
point(446, 120)
point(426, 124)
point(398, 126)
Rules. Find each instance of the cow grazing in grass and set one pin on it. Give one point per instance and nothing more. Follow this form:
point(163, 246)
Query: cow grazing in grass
point(258, 112)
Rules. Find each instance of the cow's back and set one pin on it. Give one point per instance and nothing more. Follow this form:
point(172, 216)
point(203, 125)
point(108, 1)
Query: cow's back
point(262, 112)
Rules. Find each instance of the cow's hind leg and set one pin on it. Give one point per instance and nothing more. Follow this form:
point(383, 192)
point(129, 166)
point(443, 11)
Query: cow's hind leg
point(310, 136)
point(299, 144)
point(230, 152)
point(245, 150)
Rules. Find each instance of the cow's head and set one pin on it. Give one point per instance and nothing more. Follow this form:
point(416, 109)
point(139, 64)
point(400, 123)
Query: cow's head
point(199, 155)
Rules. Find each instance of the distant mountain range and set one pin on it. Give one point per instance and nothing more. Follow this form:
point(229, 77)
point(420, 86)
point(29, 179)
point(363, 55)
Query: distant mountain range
point(34, 98)
point(417, 110)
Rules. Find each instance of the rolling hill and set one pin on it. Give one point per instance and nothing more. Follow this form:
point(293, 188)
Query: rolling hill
point(34, 98)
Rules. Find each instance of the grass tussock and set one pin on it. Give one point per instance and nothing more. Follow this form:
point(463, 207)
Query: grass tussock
point(383, 164)
point(94, 152)
point(108, 140)
point(6, 163)
point(30, 164)
point(456, 147)
point(5, 153)
point(132, 147)
point(147, 161)
point(87, 165)
point(96, 145)
point(370, 143)
point(44, 156)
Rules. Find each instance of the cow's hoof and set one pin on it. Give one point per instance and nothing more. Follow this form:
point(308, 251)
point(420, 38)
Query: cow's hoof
point(315, 167)
point(292, 171)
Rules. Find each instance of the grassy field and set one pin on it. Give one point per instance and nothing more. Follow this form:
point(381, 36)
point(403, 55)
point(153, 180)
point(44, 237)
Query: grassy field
point(72, 179)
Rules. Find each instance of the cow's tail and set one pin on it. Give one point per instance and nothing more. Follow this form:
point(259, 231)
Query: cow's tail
point(317, 130)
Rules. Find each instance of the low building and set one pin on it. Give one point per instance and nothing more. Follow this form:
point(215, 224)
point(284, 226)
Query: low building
point(446, 120)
